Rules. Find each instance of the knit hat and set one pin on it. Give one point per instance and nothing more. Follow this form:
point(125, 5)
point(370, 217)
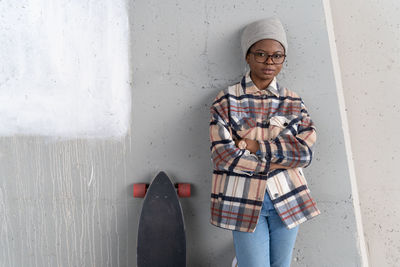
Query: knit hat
point(270, 28)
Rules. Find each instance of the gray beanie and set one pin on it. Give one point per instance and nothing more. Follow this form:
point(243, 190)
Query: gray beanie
point(270, 28)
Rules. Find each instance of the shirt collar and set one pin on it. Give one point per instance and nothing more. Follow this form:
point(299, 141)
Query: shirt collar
point(250, 87)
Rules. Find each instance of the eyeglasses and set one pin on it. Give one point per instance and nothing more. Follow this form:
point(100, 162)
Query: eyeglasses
point(262, 57)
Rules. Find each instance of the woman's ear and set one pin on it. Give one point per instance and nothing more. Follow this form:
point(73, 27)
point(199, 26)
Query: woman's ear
point(247, 58)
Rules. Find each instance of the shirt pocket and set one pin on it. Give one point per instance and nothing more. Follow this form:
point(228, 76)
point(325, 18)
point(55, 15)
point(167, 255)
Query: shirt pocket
point(242, 121)
point(279, 124)
point(279, 121)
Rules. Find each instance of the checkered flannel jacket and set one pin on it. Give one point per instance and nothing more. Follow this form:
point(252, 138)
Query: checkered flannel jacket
point(278, 119)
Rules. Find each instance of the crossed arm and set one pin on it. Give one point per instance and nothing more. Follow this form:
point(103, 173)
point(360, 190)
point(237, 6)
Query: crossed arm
point(291, 149)
point(253, 146)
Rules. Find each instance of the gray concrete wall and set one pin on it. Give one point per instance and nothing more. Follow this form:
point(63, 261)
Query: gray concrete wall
point(368, 42)
point(69, 203)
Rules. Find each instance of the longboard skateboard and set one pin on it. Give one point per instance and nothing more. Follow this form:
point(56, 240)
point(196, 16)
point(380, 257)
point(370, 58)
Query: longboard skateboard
point(161, 233)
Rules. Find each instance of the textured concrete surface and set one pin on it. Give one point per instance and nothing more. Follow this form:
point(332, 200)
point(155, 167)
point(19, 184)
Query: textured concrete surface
point(68, 203)
point(368, 42)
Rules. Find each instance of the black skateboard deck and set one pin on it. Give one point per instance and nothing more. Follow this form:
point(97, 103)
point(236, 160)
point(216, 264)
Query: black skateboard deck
point(161, 235)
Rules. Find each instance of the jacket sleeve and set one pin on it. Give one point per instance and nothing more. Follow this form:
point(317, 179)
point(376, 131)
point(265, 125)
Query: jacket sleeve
point(226, 156)
point(293, 147)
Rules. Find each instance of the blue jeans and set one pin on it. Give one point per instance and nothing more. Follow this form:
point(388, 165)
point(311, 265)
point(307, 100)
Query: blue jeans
point(271, 244)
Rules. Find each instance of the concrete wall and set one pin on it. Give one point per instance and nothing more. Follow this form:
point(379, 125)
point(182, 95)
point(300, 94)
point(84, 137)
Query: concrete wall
point(368, 42)
point(68, 202)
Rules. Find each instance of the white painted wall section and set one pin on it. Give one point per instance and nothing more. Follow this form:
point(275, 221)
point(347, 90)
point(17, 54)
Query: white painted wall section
point(64, 68)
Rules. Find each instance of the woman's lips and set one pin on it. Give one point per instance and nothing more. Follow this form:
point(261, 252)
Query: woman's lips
point(268, 71)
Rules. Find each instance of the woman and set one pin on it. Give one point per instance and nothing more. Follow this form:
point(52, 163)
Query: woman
point(261, 137)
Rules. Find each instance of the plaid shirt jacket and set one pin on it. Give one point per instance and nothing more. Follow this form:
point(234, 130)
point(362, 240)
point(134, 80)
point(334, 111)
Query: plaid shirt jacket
point(278, 119)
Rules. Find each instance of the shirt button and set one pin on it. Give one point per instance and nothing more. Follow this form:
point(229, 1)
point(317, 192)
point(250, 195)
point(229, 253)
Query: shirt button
point(276, 195)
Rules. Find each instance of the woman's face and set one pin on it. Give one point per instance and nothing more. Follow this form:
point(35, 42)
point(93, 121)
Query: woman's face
point(264, 72)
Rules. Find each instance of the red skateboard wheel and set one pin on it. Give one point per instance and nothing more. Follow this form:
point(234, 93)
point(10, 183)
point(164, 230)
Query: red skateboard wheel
point(184, 190)
point(139, 190)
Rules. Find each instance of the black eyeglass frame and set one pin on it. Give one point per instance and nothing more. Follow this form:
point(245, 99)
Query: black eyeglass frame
point(267, 57)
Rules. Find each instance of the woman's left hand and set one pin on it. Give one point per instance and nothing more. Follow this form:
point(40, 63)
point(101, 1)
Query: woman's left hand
point(252, 145)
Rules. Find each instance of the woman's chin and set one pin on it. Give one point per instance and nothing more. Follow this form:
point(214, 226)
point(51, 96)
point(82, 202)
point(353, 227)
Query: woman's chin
point(266, 76)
